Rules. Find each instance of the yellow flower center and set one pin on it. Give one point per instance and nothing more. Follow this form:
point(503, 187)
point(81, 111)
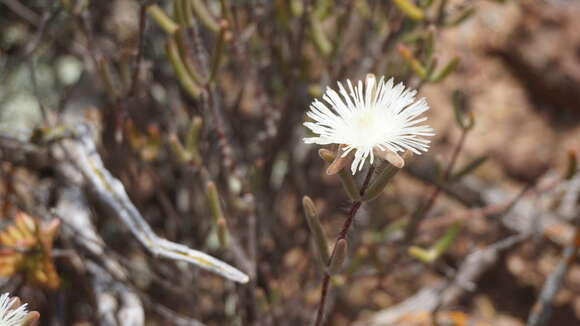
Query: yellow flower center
point(365, 120)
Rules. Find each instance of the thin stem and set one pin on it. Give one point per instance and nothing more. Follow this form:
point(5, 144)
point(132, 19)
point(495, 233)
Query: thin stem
point(418, 217)
point(299, 42)
point(29, 54)
point(22, 11)
point(140, 46)
point(42, 108)
point(342, 235)
point(218, 52)
point(423, 211)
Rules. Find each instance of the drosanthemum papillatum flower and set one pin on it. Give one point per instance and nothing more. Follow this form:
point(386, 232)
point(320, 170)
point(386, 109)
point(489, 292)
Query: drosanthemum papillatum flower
point(12, 313)
point(377, 118)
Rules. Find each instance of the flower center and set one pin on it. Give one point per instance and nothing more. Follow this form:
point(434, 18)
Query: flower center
point(365, 120)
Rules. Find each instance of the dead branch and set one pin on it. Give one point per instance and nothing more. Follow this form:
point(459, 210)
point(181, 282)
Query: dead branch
point(109, 191)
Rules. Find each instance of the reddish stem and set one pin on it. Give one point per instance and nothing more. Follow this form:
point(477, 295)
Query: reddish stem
point(342, 235)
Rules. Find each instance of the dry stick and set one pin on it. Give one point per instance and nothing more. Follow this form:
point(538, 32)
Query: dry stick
point(22, 11)
point(133, 88)
point(339, 45)
point(90, 47)
point(75, 218)
point(211, 101)
point(247, 197)
point(9, 191)
point(29, 52)
point(453, 280)
point(95, 55)
point(140, 46)
point(32, 70)
point(542, 310)
point(228, 160)
point(112, 194)
point(229, 163)
point(198, 50)
point(419, 216)
point(252, 237)
point(232, 168)
point(342, 235)
point(469, 271)
point(249, 71)
point(302, 31)
point(492, 209)
point(416, 219)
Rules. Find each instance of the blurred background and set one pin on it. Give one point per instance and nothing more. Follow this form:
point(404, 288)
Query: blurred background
point(196, 107)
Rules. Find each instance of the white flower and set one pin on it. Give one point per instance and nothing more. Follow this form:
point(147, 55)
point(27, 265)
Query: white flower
point(370, 120)
point(9, 315)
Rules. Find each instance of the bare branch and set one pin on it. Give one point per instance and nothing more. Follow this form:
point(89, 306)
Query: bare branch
point(111, 193)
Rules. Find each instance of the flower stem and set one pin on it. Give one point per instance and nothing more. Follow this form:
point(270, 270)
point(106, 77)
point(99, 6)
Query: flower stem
point(342, 235)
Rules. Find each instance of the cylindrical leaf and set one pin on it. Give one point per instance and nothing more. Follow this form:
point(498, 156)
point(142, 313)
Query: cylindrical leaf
point(409, 9)
point(461, 17)
point(185, 47)
point(468, 168)
point(572, 165)
point(412, 62)
point(380, 182)
point(463, 117)
point(426, 256)
point(316, 228)
point(180, 69)
point(218, 53)
point(443, 244)
point(214, 202)
point(181, 154)
point(320, 39)
point(159, 16)
point(204, 15)
point(222, 232)
point(193, 133)
point(340, 253)
point(451, 65)
point(347, 179)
